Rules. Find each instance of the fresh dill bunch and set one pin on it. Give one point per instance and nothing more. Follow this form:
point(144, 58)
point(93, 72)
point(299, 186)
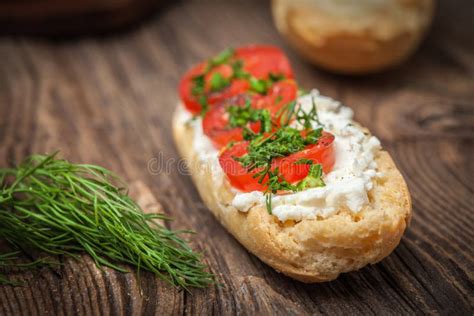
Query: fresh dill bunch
point(60, 208)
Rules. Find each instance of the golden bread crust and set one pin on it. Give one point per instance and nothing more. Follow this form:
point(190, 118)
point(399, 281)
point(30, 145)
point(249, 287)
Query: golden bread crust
point(310, 250)
point(353, 39)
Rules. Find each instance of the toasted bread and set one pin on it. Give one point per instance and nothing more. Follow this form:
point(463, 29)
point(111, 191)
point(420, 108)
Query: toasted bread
point(311, 250)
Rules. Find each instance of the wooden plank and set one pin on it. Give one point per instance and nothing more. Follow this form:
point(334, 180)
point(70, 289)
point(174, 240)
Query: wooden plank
point(109, 101)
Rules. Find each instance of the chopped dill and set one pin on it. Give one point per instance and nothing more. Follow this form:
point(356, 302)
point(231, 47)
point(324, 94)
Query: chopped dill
point(221, 58)
point(276, 182)
point(218, 82)
point(294, 111)
point(238, 71)
point(263, 149)
point(259, 85)
point(198, 85)
point(240, 116)
point(285, 141)
point(9, 260)
point(60, 208)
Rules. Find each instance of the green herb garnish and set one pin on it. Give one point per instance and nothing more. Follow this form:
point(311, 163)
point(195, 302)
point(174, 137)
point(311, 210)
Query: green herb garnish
point(259, 85)
point(218, 82)
point(307, 118)
point(198, 91)
point(273, 77)
point(238, 71)
point(293, 111)
point(10, 260)
point(285, 141)
point(276, 182)
point(198, 85)
point(263, 149)
point(7, 260)
point(204, 105)
point(313, 179)
point(221, 58)
point(60, 208)
point(240, 116)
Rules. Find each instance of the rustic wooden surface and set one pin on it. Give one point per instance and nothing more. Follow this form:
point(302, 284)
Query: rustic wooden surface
point(109, 101)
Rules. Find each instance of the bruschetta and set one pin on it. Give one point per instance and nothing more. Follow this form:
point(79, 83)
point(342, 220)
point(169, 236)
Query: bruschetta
point(288, 173)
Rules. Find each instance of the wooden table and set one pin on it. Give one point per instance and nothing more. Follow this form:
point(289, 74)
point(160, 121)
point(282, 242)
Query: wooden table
point(109, 101)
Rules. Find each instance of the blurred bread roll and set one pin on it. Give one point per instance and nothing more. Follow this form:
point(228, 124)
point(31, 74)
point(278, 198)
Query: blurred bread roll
point(353, 36)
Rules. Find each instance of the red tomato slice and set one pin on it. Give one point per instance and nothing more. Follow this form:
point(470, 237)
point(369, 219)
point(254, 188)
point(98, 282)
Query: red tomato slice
point(322, 153)
point(259, 61)
point(215, 122)
point(235, 88)
point(279, 94)
point(185, 86)
point(238, 176)
point(225, 70)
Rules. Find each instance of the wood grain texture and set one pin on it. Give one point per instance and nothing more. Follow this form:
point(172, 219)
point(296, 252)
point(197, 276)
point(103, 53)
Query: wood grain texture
point(109, 101)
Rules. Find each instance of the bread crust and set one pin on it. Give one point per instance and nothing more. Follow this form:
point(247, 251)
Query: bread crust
point(364, 41)
point(312, 250)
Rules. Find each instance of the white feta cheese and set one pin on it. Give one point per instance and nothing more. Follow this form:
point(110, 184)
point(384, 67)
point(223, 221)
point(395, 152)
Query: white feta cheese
point(346, 185)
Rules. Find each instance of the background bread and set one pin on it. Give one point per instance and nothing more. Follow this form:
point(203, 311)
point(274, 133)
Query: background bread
point(353, 37)
point(310, 250)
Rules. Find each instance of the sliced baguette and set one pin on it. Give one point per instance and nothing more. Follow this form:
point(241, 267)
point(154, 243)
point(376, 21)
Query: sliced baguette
point(315, 250)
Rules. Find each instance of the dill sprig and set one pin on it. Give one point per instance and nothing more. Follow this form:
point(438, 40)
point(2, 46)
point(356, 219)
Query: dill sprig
point(276, 182)
point(293, 111)
point(60, 208)
point(6, 260)
point(10, 260)
point(283, 142)
point(240, 116)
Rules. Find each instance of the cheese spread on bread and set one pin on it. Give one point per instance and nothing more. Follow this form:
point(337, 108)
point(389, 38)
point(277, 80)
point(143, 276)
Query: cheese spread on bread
point(347, 185)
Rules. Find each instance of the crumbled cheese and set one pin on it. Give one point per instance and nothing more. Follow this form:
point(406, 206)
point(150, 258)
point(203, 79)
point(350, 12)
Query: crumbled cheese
point(346, 185)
